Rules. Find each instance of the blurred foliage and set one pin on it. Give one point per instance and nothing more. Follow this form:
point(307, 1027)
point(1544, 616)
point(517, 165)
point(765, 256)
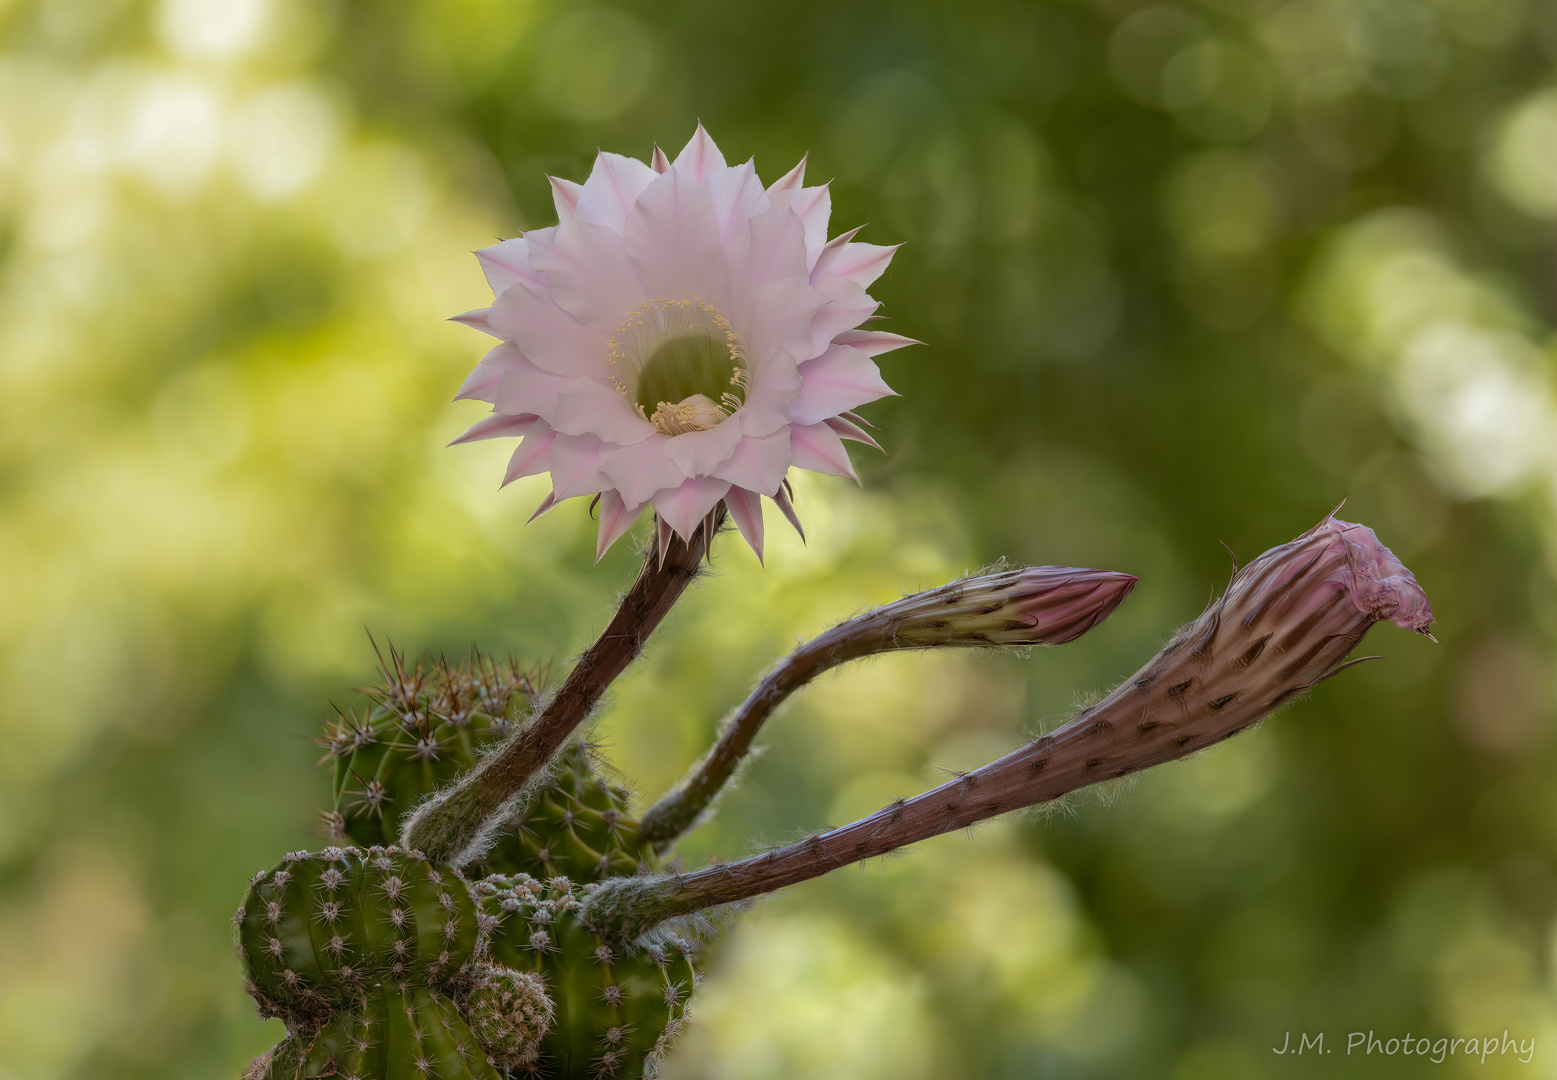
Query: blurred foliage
point(1187, 273)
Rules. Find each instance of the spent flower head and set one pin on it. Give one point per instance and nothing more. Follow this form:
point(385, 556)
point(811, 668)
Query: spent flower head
point(683, 335)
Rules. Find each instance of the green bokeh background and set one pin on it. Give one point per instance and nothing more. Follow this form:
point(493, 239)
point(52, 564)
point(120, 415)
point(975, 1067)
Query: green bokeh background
point(1186, 273)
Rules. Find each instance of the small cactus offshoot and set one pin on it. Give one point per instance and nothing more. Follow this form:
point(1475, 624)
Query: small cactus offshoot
point(616, 1006)
point(510, 1013)
point(390, 964)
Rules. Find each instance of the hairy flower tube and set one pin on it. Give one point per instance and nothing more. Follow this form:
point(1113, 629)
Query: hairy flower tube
point(1286, 623)
point(683, 335)
point(1035, 605)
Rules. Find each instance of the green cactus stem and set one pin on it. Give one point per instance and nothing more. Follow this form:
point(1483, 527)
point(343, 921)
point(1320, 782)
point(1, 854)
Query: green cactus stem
point(577, 827)
point(1286, 623)
point(1040, 605)
point(427, 725)
point(316, 931)
point(617, 1008)
point(284, 1061)
point(451, 825)
point(398, 1031)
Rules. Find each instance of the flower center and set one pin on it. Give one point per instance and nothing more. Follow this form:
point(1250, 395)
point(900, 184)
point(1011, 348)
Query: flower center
point(681, 364)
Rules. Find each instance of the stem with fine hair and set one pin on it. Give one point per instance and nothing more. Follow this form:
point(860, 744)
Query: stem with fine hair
point(1286, 623)
point(1019, 608)
point(677, 810)
point(450, 823)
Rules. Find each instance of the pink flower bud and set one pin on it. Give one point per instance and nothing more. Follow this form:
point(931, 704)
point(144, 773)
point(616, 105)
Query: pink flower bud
point(1286, 623)
point(1038, 605)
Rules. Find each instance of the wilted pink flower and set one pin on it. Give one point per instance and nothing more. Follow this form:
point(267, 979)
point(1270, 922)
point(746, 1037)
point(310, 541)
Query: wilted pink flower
point(681, 336)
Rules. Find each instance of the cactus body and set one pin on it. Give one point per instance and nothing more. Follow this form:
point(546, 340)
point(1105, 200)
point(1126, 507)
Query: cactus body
point(615, 1010)
point(427, 726)
point(422, 728)
point(317, 930)
point(577, 827)
point(398, 1032)
point(284, 1061)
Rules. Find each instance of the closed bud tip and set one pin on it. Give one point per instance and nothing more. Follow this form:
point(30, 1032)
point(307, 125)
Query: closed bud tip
point(1038, 605)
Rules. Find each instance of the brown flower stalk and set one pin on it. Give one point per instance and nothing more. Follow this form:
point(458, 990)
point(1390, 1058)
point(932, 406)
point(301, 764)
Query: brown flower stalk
point(1037, 605)
point(1286, 623)
point(450, 825)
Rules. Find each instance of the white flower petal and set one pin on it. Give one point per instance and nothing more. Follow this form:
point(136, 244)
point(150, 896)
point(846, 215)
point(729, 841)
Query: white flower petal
point(588, 273)
point(874, 342)
point(761, 419)
point(548, 336)
point(782, 318)
point(575, 466)
point(758, 464)
point(497, 426)
point(546, 504)
point(699, 453)
point(683, 508)
point(814, 205)
point(737, 196)
point(840, 379)
point(565, 195)
point(771, 248)
point(531, 456)
point(661, 163)
point(848, 429)
point(613, 187)
point(746, 510)
point(781, 500)
point(587, 407)
point(478, 319)
point(699, 157)
point(525, 388)
point(818, 448)
point(848, 305)
point(794, 178)
point(616, 517)
point(481, 383)
point(638, 471)
point(507, 263)
point(860, 263)
point(672, 238)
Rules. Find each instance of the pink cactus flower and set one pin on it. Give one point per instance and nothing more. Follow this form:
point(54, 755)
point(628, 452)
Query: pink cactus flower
point(681, 336)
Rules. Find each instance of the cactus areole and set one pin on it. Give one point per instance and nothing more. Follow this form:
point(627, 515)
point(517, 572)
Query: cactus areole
point(490, 907)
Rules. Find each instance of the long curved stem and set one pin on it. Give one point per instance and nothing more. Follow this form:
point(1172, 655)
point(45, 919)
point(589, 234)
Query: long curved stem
point(678, 810)
point(1286, 623)
point(1041, 605)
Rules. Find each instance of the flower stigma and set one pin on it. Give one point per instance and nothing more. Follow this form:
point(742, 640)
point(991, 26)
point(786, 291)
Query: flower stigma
point(681, 364)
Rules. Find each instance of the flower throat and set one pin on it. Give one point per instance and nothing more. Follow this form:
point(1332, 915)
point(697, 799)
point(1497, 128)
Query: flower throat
point(681, 364)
